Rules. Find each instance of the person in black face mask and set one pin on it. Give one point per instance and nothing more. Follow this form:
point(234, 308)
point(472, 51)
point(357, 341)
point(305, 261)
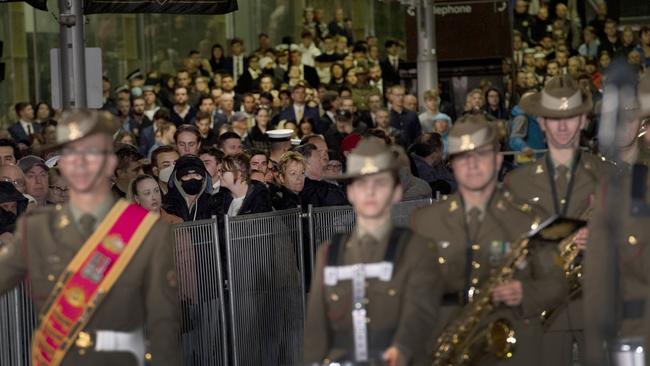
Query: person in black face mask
point(189, 190)
point(12, 205)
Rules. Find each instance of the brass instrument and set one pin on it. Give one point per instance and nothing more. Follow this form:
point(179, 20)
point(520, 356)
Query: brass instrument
point(467, 339)
point(569, 252)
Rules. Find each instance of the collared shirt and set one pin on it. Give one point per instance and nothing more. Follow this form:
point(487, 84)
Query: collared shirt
point(480, 207)
point(98, 212)
point(378, 234)
point(28, 127)
point(569, 167)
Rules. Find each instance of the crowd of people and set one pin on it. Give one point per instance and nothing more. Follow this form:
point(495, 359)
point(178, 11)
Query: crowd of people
point(253, 131)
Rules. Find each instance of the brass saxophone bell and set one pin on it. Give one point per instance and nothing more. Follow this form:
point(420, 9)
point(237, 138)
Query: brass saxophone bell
point(501, 339)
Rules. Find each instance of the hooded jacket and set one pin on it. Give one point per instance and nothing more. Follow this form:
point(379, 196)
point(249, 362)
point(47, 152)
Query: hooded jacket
point(204, 207)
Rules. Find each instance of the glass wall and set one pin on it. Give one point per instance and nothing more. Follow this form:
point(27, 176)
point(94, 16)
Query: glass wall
point(161, 41)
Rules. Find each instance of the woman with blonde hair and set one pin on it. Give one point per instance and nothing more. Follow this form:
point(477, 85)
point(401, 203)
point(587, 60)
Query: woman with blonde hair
point(291, 175)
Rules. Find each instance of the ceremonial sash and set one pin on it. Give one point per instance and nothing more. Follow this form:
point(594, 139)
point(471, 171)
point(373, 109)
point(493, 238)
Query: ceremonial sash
point(87, 279)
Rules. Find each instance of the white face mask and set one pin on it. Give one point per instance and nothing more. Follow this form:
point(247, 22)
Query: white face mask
point(165, 174)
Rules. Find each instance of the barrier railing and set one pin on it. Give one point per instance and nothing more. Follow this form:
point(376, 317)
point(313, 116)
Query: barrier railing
point(266, 287)
point(241, 290)
point(17, 322)
point(201, 294)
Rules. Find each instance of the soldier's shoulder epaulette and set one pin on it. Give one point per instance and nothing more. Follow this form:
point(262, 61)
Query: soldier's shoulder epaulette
point(527, 208)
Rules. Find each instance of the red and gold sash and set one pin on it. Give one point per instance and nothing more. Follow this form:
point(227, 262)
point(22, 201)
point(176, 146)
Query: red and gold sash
point(88, 278)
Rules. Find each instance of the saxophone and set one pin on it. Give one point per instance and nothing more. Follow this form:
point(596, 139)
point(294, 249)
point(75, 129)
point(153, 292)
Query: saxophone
point(467, 339)
point(569, 252)
point(572, 267)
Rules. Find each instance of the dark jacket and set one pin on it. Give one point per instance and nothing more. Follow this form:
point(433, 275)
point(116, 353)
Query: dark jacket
point(257, 200)
point(319, 193)
point(147, 140)
point(389, 74)
point(283, 199)
point(408, 123)
point(18, 133)
point(203, 208)
point(210, 140)
point(178, 120)
point(258, 140)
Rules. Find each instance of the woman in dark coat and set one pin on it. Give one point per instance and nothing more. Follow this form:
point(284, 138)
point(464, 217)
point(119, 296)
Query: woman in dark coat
point(217, 59)
point(244, 195)
point(291, 174)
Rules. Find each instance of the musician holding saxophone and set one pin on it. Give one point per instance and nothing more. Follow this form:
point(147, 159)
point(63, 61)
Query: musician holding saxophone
point(474, 230)
point(562, 182)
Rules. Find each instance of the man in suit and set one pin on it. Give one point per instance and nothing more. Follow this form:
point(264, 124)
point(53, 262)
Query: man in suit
point(307, 73)
point(392, 64)
point(250, 79)
point(83, 241)
point(563, 182)
point(330, 104)
point(298, 109)
point(474, 230)
point(25, 127)
point(237, 63)
point(373, 321)
point(402, 119)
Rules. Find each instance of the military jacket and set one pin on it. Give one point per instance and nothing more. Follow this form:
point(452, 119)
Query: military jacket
point(532, 183)
point(503, 223)
point(145, 295)
point(634, 271)
point(403, 310)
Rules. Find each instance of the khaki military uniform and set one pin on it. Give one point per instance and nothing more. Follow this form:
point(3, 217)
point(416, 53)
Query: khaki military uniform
point(502, 223)
point(400, 312)
point(144, 296)
point(532, 183)
point(634, 273)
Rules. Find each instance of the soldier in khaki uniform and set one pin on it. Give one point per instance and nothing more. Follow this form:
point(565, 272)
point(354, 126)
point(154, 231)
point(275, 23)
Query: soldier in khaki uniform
point(375, 293)
point(473, 230)
point(47, 239)
point(562, 182)
point(634, 279)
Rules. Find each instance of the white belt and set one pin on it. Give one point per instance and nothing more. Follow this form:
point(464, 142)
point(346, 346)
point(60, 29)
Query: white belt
point(112, 341)
point(629, 352)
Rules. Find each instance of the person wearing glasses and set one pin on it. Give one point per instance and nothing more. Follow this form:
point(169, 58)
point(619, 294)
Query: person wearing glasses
point(107, 262)
point(36, 178)
point(59, 191)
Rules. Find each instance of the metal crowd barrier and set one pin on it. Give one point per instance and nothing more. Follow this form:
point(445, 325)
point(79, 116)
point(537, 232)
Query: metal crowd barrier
point(17, 322)
point(324, 222)
point(201, 294)
point(266, 287)
point(241, 291)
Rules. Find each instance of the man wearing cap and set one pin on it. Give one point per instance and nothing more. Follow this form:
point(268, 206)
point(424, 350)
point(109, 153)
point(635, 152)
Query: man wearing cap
point(280, 143)
point(562, 182)
point(150, 101)
point(632, 233)
point(385, 311)
point(101, 270)
point(189, 190)
point(474, 229)
point(36, 178)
